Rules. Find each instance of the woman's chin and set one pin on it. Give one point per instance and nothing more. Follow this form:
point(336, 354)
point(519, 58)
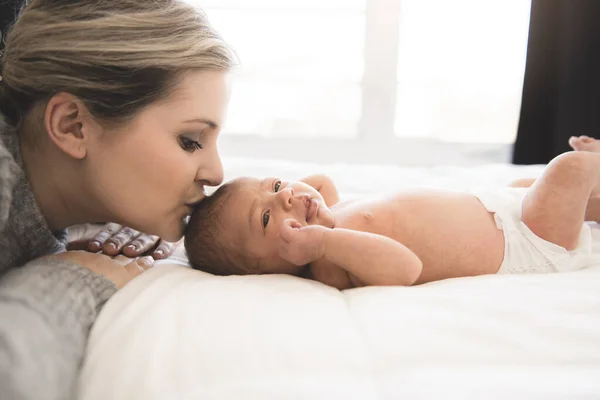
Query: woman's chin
point(173, 232)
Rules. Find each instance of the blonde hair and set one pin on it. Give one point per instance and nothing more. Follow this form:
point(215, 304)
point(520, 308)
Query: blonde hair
point(117, 56)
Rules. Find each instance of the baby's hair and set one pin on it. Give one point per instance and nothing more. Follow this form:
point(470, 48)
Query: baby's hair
point(206, 244)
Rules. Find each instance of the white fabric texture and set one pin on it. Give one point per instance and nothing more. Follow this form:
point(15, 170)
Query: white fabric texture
point(176, 333)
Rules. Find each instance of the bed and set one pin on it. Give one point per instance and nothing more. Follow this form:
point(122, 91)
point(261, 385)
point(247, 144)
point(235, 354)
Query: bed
point(176, 333)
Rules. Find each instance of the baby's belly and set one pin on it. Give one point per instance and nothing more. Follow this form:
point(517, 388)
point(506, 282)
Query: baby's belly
point(467, 243)
point(451, 232)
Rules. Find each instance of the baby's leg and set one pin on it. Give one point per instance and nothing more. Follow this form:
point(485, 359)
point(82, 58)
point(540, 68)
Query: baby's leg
point(592, 212)
point(554, 208)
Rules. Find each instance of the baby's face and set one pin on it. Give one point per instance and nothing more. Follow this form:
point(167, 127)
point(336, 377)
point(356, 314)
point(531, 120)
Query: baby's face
point(258, 209)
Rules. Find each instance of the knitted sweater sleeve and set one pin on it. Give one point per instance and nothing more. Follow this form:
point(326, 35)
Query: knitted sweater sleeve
point(47, 307)
point(46, 311)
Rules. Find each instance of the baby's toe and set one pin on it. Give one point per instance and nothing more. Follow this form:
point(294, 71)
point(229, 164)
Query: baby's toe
point(576, 142)
point(584, 143)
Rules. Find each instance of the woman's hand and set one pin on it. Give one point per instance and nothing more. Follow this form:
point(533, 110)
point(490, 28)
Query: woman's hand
point(120, 269)
point(114, 239)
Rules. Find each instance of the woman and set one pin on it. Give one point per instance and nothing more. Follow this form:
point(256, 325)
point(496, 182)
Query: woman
point(111, 113)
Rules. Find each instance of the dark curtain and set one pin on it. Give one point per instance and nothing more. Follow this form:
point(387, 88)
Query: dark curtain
point(561, 90)
point(8, 13)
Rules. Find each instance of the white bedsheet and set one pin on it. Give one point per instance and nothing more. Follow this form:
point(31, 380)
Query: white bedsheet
point(175, 333)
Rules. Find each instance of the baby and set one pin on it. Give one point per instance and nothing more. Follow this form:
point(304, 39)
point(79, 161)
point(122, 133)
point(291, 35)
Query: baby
point(268, 226)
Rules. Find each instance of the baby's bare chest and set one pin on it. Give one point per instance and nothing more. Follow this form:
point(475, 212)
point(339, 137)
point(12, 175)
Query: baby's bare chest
point(451, 232)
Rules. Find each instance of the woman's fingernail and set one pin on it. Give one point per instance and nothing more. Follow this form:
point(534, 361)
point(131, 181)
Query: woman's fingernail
point(111, 246)
point(159, 253)
point(131, 247)
point(95, 245)
point(147, 261)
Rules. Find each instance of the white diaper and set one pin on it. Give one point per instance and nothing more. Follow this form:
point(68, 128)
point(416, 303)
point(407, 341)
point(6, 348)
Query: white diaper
point(524, 251)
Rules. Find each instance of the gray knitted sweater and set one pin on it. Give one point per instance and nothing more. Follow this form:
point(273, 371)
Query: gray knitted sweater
point(46, 308)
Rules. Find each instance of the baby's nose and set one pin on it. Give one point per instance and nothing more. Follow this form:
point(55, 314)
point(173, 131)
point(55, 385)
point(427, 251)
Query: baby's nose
point(286, 195)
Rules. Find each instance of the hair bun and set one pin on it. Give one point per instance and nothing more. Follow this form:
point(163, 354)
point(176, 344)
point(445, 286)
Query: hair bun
point(8, 108)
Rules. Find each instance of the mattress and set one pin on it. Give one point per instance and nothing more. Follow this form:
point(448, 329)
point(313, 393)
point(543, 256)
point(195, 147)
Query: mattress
point(176, 333)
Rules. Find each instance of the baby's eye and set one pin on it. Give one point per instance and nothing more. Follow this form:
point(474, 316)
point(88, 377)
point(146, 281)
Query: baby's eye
point(276, 186)
point(265, 219)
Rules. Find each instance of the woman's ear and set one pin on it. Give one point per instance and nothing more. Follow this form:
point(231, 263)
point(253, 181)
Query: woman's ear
point(68, 124)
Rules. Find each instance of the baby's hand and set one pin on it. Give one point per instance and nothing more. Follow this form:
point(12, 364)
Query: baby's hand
point(299, 244)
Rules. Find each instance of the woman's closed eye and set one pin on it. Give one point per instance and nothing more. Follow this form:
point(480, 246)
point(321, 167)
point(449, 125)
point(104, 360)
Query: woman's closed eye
point(189, 145)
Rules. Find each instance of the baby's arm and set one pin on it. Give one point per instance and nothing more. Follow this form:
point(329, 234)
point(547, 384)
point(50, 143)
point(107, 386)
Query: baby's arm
point(369, 259)
point(372, 259)
point(325, 186)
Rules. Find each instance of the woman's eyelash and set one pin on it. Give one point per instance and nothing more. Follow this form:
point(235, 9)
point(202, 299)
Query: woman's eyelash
point(189, 144)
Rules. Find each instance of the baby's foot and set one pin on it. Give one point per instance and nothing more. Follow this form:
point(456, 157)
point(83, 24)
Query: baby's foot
point(584, 143)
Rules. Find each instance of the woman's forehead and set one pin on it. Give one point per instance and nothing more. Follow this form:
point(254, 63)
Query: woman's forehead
point(200, 95)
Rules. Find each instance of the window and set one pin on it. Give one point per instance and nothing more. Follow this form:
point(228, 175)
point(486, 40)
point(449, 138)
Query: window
point(373, 79)
point(460, 69)
point(301, 65)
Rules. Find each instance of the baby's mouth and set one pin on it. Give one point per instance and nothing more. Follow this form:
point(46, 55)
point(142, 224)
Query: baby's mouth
point(311, 209)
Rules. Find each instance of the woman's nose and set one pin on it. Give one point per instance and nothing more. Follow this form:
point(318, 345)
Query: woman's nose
point(210, 173)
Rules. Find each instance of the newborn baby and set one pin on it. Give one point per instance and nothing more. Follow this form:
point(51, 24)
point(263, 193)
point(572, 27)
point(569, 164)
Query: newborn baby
point(272, 226)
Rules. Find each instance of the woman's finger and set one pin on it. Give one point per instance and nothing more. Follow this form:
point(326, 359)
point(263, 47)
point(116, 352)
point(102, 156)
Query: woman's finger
point(139, 265)
point(113, 245)
point(131, 270)
point(78, 245)
point(164, 250)
point(122, 260)
point(95, 244)
point(140, 245)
